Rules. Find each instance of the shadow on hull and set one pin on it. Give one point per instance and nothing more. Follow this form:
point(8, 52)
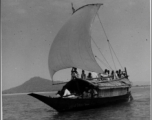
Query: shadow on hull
point(75, 104)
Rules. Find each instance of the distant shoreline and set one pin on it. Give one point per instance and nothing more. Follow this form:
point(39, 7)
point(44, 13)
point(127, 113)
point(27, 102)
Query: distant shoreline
point(5, 94)
point(26, 93)
point(141, 86)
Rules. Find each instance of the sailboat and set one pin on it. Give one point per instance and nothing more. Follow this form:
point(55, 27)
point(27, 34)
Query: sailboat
point(72, 48)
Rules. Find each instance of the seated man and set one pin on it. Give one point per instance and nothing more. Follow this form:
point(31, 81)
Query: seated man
point(105, 76)
point(100, 77)
point(83, 75)
point(116, 75)
point(89, 76)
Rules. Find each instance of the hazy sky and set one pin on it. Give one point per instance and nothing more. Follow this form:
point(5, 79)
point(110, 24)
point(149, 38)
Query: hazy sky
point(29, 27)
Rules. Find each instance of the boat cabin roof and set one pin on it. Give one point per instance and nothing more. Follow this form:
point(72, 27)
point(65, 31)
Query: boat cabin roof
point(79, 85)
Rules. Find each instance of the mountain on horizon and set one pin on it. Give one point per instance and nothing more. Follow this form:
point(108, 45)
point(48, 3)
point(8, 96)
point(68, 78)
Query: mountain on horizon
point(35, 84)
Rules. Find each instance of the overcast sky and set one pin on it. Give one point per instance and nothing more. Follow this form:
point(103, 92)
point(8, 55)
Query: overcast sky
point(29, 27)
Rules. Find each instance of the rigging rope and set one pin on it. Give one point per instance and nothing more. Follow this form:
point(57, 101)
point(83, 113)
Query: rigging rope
point(111, 55)
point(102, 62)
point(102, 26)
point(110, 46)
point(101, 54)
point(116, 56)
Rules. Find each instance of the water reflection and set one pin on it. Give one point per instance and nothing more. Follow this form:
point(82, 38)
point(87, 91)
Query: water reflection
point(25, 107)
point(111, 112)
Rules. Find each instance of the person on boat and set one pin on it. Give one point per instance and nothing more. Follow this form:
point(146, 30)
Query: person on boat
point(85, 94)
point(89, 76)
point(95, 93)
point(74, 73)
point(112, 74)
point(105, 75)
point(105, 72)
point(83, 75)
point(123, 74)
point(92, 93)
point(119, 73)
point(108, 74)
point(66, 93)
point(116, 75)
point(99, 76)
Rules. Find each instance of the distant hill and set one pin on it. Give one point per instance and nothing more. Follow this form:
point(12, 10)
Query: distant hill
point(35, 84)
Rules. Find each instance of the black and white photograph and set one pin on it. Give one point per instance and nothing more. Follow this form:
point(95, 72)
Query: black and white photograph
point(75, 59)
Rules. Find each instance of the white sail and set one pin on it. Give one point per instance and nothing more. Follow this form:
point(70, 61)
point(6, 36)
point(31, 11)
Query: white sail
point(72, 45)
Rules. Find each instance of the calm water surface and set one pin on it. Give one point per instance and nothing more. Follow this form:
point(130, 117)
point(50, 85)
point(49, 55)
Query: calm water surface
point(24, 107)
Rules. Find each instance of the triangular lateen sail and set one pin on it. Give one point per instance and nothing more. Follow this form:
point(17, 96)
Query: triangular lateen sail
point(72, 45)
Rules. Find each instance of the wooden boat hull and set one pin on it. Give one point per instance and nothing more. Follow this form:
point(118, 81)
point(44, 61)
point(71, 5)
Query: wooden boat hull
point(74, 104)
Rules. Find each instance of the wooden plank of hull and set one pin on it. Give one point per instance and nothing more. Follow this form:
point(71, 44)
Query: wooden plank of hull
point(73, 104)
point(113, 92)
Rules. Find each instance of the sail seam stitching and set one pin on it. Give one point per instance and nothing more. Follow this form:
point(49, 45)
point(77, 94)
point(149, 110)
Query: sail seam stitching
point(80, 55)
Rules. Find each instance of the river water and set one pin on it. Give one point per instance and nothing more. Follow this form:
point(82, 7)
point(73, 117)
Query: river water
point(24, 107)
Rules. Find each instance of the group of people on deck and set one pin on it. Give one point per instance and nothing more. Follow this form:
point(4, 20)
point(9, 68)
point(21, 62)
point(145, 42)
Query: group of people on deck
point(86, 91)
point(113, 75)
point(101, 76)
point(75, 74)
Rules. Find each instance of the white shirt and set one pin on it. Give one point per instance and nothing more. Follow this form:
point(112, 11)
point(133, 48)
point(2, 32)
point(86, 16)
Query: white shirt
point(66, 92)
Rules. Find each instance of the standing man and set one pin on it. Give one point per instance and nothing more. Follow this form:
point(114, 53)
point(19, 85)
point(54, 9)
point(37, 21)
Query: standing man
point(74, 73)
point(83, 75)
